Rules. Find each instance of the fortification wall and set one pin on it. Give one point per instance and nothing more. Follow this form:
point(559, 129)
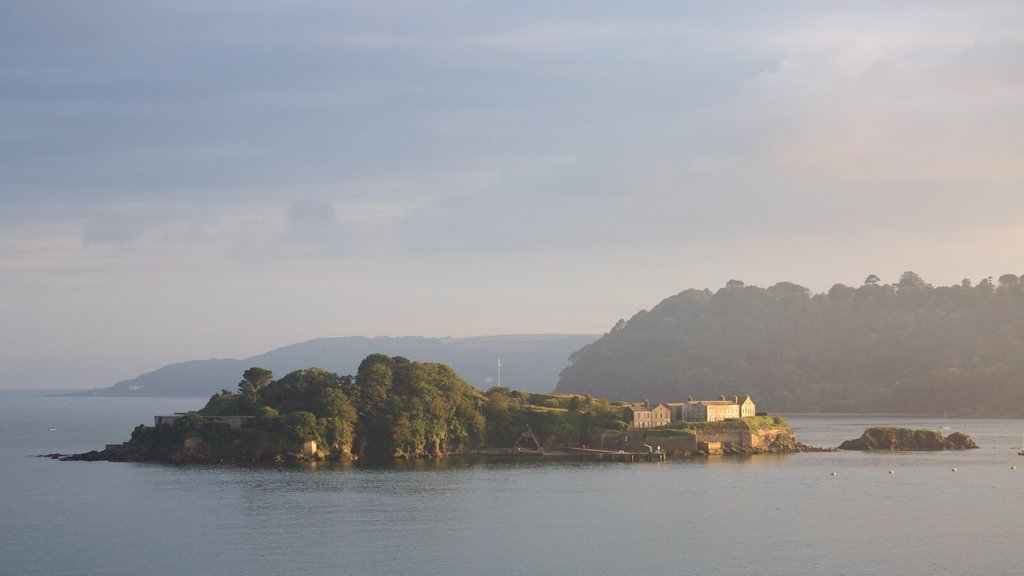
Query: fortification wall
point(634, 440)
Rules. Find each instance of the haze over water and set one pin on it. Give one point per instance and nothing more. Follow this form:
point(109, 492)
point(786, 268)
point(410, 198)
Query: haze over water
point(752, 515)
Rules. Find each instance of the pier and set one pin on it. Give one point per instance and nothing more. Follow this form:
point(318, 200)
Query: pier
point(617, 455)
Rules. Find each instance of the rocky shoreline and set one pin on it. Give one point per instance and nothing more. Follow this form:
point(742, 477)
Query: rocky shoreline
point(794, 448)
point(876, 438)
point(123, 454)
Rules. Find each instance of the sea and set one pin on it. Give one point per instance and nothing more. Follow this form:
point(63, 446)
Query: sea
point(958, 512)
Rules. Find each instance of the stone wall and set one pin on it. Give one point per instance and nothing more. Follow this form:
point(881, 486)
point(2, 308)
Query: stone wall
point(634, 440)
point(232, 421)
point(741, 438)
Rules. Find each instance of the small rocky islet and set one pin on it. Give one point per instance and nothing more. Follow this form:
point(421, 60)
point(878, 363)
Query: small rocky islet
point(907, 440)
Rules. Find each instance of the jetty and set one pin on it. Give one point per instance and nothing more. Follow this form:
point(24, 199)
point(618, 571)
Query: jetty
point(617, 455)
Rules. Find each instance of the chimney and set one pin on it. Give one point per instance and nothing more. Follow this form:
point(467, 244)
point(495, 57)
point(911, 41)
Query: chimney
point(647, 403)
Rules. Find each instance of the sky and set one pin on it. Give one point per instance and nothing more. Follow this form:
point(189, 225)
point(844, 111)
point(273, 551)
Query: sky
point(184, 179)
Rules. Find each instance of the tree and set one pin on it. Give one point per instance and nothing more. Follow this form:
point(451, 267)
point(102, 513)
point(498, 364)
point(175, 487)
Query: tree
point(783, 289)
point(303, 426)
point(1009, 280)
point(838, 291)
point(910, 280)
point(734, 284)
point(313, 390)
point(373, 382)
point(872, 280)
point(884, 348)
point(255, 378)
point(414, 409)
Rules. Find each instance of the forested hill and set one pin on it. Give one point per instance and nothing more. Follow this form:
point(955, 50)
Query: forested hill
point(906, 347)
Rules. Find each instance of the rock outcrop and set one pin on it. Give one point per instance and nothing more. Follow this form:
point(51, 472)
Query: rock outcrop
point(905, 439)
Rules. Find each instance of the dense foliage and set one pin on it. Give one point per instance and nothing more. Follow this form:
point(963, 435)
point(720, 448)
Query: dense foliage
point(304, 405)
point(413, 408)
point(392, 407)
point(904, 347)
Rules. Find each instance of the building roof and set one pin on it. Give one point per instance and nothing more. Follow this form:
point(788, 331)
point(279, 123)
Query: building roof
point(725, 401)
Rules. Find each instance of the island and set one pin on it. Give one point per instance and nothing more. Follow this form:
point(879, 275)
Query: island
point(396, 408)
point(905, 439)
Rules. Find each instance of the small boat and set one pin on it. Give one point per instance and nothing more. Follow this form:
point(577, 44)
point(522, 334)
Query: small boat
point(945, 425)
point(1021, 451)
point(53, 428)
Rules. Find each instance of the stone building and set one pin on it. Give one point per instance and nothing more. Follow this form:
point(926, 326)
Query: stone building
point(641, 415)
point(713, 410)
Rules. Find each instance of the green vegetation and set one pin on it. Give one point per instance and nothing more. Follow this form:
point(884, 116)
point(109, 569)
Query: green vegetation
point(887, 438)
point(905, 347)
point(196, 439)
point(304, 405)
point(751, 424)
point(413, 408)
point(553, 418)
point(392, 407)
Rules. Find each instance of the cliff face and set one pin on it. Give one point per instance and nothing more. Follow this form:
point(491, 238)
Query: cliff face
point(908, 440)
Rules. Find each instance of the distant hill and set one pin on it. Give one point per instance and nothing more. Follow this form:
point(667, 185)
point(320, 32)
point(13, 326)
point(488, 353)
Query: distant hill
point(529, 362)
point(906, 347)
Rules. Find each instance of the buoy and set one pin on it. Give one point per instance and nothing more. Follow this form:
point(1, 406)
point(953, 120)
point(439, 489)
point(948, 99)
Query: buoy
point(834, 474)
point(890, 471)
point(1013, 467)
point(954, 469)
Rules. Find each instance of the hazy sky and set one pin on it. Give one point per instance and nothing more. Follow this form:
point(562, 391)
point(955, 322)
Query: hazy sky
point(193, 179)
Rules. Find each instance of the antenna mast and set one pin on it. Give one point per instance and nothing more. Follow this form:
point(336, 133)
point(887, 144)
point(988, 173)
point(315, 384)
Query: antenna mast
point(499, 371)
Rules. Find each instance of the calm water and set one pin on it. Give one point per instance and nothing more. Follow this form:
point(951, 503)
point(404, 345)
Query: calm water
point(752, 515)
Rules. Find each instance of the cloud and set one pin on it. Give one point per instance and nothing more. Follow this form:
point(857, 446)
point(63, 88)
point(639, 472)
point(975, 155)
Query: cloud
point(148, 223)
point(831, 115)
point(678, 122)
point(545, 37)
point(354, 223)
point(905, 129)
point(311, 221)
point(553, 164)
